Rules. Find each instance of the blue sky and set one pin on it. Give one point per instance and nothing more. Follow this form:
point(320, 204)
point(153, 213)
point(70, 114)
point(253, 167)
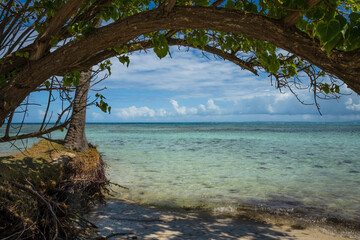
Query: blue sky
point(191, 87)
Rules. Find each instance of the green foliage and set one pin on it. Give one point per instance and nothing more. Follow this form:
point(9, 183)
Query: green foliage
point(22, 54)
point(4, 78)
point(334, 24)
point(72, 78)
point(54, 41)
point(82, 29)
point(47, 84)
point(106, 65)
point(329, 33)
point(102, 104)
point(329, 88)
point(124, 59)
point(197, 38)
point(161, 47)
point(203, 3)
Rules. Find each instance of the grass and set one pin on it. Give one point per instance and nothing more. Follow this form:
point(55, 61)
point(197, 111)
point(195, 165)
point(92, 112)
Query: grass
point(37, 164)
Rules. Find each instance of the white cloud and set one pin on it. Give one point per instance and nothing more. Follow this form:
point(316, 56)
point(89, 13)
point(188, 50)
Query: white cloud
point(352, 106)
point(202, 107)
point(270, 109)
point(349, 101)
point(192, 110)
point(185, 72)
point(133, 112)
point(179, 110)
point(188, 76)
point(210, 108)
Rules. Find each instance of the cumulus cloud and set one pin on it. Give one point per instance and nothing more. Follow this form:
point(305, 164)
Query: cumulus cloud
point(133, 112)
point(352, 106)
point(178, 109)
point(202, 108)
point(210, 108)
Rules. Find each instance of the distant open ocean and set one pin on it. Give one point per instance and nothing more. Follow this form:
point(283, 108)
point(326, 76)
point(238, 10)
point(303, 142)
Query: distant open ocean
point(312, 169)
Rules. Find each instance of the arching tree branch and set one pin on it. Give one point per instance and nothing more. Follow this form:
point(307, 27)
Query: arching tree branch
point(344, 65)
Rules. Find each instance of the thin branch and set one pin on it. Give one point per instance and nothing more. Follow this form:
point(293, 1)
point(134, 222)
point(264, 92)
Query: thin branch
point(34, 134)
point(54, 26)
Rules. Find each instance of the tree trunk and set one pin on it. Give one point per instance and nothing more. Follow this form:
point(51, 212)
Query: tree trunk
point(75, 138)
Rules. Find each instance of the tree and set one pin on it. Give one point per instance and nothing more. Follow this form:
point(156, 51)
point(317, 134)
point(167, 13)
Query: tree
point(75, 138)
point(41, 39)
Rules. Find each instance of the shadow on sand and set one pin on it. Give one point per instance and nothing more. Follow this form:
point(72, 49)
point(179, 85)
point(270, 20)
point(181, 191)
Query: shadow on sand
point(151, 223)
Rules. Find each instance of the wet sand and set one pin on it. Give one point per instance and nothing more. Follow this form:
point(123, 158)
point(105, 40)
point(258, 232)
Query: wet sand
point(131, 221)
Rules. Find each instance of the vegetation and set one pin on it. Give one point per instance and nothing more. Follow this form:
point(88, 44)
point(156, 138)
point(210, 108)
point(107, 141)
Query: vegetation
point(45, 44)
point(44, 189)
point(48, 45)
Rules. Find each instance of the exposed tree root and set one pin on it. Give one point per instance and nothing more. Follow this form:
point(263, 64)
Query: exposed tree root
point(30, 211)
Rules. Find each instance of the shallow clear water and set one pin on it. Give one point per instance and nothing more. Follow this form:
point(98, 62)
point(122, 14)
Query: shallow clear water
point(313, 167)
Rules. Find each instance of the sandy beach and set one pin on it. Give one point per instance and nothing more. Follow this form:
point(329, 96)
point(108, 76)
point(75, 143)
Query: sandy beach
point(130, 221)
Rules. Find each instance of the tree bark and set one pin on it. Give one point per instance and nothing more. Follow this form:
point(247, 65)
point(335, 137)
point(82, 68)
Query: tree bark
point(344, 65)
point(75, 138)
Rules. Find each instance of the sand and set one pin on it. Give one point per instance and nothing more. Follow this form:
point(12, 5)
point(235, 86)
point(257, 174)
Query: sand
point(131, 221)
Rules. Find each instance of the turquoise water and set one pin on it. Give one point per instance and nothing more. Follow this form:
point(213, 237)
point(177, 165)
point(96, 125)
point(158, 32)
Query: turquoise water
point(312, 168)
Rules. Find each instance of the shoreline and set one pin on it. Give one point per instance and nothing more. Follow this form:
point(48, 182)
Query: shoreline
point(149, 222)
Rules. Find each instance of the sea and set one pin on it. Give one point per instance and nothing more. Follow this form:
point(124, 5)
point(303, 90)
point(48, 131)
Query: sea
point(309, 171)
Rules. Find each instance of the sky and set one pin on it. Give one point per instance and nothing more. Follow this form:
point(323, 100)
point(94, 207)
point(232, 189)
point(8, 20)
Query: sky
point(192, 87)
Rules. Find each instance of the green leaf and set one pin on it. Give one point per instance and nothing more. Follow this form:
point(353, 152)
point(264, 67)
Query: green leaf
point(354, 40)
point(102, 104)
point(47, 84)
point(67, 81)
point(291, 69)
point(331, 44)
point(230, 4)
point(203, 3)
point(161, 47)
point(274, 66)
point(54, 41)
point(325, 88)
point(354, 18)
point(118, 49)
point(328, 31)
point(344, 25)
point(76, 78)
point(124, 59)
point(251, 7)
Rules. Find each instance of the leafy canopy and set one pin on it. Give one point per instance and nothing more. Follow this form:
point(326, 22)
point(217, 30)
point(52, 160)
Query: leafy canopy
point(29, 31)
